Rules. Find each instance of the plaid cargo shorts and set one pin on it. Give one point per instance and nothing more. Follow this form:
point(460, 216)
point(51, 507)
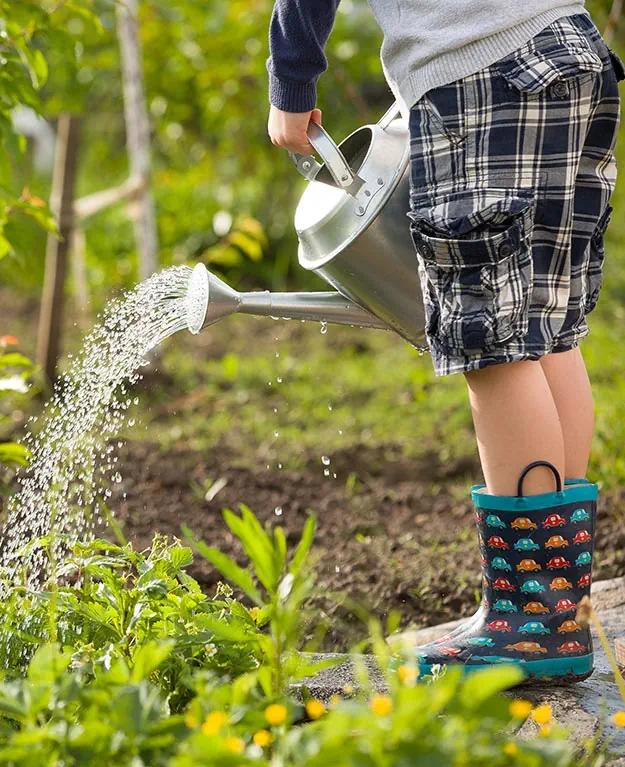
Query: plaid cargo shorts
point(512, 169)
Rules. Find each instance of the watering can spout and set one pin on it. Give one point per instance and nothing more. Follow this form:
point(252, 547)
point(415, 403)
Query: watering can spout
point(210, 299)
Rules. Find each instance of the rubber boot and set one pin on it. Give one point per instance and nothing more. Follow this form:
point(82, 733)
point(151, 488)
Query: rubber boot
point(536, 562)
point(477, 616)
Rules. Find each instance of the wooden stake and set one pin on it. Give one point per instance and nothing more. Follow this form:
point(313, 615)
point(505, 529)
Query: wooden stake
point(62, 204)
point(613, 19)
point(137, 135)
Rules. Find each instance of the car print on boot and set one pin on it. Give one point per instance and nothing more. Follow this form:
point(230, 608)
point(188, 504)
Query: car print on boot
point(534, 627)
point(554, 520)
point(558, 563)
point(532, 587)
point(481, 642)
point(496, 542)
point(451, 652)
point(559, 583)
point(528, 566)
point(526, 647)
point(582, 536)
point(564, 605)
point(584, 580)
point(499, 625)
point(503, 584)
point(556, 541)
point(580, 515)
point(568, 627)
point(523, 523)
point(499, 563)
point(505, 606)
point(535, 608)
point(585, 558)
point(492, 520)
point(572, 646)
point(526, 544)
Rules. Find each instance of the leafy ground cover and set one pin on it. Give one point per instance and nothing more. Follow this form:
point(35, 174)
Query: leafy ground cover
point(121, 657)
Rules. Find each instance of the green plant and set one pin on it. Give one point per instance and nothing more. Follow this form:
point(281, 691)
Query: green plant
point(133, 665)
point(15, 370)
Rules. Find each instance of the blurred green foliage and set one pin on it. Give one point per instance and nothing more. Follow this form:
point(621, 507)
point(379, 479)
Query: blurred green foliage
point(224, 194)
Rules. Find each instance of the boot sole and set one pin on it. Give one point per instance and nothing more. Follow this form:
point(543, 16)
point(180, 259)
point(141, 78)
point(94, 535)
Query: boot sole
point(558, 670)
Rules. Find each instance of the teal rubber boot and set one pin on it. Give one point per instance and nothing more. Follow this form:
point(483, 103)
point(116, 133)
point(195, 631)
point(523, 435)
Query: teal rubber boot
point(537, 562)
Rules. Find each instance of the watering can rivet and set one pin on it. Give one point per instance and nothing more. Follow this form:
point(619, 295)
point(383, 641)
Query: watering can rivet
point(306, 165)
point(380, 181)
point(367, 193)
point(361, 209)
point(344, 178)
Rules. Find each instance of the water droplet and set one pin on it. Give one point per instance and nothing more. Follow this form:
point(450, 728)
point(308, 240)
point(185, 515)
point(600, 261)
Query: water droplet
point(278, 511)
point(279, 379)
point(324, 328)
point(325, 460)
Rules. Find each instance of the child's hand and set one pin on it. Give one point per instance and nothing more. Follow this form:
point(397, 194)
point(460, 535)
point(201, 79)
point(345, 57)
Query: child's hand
point(288, 129)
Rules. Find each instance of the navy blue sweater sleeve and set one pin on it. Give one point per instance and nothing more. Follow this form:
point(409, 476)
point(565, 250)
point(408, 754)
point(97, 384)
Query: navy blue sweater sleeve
point(298, 34)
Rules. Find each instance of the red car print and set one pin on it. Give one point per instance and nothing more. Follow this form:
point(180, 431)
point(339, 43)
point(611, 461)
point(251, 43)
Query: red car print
point(564, 605)
point(560, 583)
point(583, 536)
point(503, 584)
point(558, 563)
point(499, 625)
point(451, 651)
point(584, 580)
point(497, 542)
point(554, 520)
point(571, 646)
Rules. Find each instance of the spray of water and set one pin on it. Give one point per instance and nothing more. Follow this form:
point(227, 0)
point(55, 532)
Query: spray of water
point(60, 495)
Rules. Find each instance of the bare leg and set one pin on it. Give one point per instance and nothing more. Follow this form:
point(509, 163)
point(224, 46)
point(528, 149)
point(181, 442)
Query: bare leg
point(570, 387)
point(516, 422)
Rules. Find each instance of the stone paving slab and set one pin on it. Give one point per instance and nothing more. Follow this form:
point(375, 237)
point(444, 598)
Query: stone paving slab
point(581, 707)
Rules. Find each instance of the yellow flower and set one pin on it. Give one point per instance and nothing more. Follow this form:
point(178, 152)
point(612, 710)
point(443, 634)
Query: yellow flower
point(520, 709)
point(407, 674)
point(511, 749)
point(214, 722)
point(191, 720)
point(381, 705)
point(542, 714)
point(234, 744)
point(348, 689)
point(619, 719)
point(263, 738)
point(254, 612)
point(275, 714)
point(315, 709)
point(545, 730)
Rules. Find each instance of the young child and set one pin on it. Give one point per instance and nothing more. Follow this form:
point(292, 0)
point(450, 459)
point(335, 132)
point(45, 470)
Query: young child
point(513, 111)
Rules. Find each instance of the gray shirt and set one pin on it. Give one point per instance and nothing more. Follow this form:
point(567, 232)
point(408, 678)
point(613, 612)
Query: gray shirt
point(427, 43)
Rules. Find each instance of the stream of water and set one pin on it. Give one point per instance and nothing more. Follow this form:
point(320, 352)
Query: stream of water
point(72, 443)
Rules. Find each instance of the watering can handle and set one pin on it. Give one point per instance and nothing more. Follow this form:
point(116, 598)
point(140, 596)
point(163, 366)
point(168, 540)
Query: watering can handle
point(391, 114)
point(335, 162)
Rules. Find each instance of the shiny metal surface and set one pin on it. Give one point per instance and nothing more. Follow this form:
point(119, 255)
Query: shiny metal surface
point(209, 300)
point(360, 241)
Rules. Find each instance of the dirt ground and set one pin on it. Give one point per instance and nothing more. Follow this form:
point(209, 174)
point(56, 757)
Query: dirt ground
point(393, 542)
point(393, 532)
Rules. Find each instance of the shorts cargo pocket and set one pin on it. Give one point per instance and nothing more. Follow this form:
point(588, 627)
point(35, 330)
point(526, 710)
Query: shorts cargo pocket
point(553, 62)
point(476, 273)
point(596, 257)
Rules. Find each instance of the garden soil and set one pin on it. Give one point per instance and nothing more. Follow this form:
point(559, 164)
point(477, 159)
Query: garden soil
point(395, 541)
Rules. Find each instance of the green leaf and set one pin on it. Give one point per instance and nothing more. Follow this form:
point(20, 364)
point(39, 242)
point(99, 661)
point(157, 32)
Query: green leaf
point(13, 454)
point(486, 683)
point(48, 664)
point(256, 546)
point(227, 631)
point(229, 570)
point(303, 547)
point(149, 657)
point(14, 360)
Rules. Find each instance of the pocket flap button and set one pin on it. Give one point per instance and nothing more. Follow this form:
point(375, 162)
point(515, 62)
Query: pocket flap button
point(560, 90)
point(505, 249)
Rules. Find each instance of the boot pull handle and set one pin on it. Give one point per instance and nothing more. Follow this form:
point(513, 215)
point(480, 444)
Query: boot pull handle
point(533, 465)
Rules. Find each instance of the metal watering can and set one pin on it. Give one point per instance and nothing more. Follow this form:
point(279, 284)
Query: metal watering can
point(353, 231)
